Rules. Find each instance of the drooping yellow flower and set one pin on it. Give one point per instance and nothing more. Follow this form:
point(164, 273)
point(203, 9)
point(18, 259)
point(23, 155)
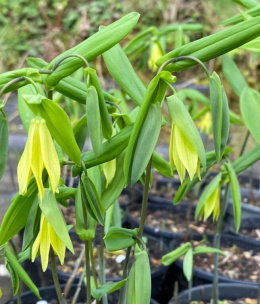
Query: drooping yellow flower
point(211, 206)
point(39, 153)
point(1, 293)
point(182, 154)
point(47, 237)
point(109, 169)
point(205, 123)
point(155, 54)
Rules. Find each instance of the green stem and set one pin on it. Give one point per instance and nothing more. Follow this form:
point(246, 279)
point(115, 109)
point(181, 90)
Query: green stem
point(93, 264)
point(217, 238)
point(55, 277)
point(145, 198)
point(87, 265)
point(101, 261)
point(50, 94)
point(122, 294)
point(18, 296)
point(244, 143)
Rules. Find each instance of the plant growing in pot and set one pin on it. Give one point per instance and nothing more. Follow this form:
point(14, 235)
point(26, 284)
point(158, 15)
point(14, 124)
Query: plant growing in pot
point(122, 152)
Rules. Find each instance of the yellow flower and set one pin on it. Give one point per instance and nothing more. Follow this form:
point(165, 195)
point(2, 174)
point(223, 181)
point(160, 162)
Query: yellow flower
point(109, 169)
point(182, 154)
point(155, 54)
point(211, 205)
point(39, 153)
point(47, 237)
point(205, 123)
point(1, 293)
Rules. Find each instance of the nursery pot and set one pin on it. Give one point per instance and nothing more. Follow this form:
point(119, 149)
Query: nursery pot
point(49, 293)
point(226, 292)
point(168, 221)
point(201, 276)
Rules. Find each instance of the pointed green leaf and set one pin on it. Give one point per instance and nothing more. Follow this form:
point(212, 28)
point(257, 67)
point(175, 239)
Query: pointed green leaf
point(103, 112)
point(52, 213)
point(20, 271)
point(206, 249)
point(16, 215)
point(91, 199)
point(246, 160)
point(14, 278)
point(250, 110)
point(236, 195)
point(124, 74)
point(94, 120)
point(107, 288)
point(188, 264)
point(220, 115)
point(233, 75)
point(119, 238)
point(85, 233)
point(80, 131)
point(4, 139)
point(92, 47)
point(172, 256)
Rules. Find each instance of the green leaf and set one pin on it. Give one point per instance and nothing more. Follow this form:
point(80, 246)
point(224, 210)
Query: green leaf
point(172, 256)
point(18, 269)
point(236, 195)
point(91, 74)
point(92, 47)
point(250, 110)
point(214, 45)
point(112, 148)
point(91, 199)
point(220, 115)
point(85, 233)
point(119, 238)
point(188, 264)
point(94, 120)
point(161, 165)
point(139, 279)
point(80, 131)
point(233, 75)
point(146, 128)
point(124, 74)
point(107, 288)
point(246, 160)
point(206, 249)
point(53, 215)
point(14, 278)
point(254, 11)
point(59, 126)
point(16, 215)
point(4, 139)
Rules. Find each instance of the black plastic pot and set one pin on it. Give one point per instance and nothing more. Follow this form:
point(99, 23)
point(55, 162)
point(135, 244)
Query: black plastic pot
point(162, 212)
point(201, 277)
point(247, 229)
point(226, 292)
point(49, 293)
point(157, 275)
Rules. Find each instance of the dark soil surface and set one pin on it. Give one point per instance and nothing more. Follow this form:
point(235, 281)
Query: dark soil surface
point(238, 301)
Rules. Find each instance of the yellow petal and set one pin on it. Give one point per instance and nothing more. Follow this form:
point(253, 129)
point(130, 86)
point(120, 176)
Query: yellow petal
point(212, 204)
point(57, 245)
point(186, 153)
point(176, 159)
point(1, 293)
point(49, 155)
point(37, 241)
point(198, 170)
point(216, 210)
point(36, 160)
point(24, 166)
point(45, 244)
point(171, 148)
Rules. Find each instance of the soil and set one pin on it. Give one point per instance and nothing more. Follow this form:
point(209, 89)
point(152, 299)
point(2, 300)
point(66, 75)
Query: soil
point(174, 221)
point(238, 264)
point(253, 233)
point(114, 261)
